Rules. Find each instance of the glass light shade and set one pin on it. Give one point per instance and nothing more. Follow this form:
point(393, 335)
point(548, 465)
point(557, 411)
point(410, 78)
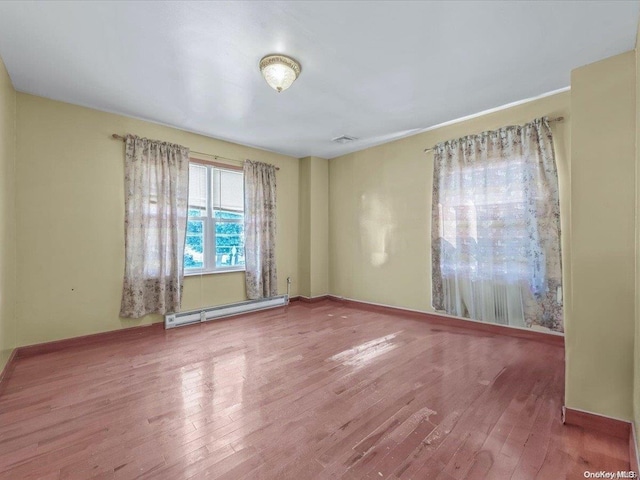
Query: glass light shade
point(279, 71)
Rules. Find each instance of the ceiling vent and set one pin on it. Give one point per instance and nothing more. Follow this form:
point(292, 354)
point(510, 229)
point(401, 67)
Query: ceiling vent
point(343, 139)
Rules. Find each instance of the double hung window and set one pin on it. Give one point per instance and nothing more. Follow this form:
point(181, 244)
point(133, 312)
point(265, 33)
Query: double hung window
point(215, 227)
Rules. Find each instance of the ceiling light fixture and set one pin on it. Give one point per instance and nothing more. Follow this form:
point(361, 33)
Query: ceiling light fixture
point(279, 71)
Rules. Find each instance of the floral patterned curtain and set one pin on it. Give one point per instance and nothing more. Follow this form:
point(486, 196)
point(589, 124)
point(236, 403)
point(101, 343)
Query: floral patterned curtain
point(496, 226)
point(156, 197)
point(260, 229)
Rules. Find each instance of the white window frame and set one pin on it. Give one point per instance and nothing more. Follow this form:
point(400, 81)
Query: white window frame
point(209, 227)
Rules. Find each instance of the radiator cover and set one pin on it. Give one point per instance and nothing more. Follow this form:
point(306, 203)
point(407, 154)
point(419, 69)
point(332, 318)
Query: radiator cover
point(173, 320)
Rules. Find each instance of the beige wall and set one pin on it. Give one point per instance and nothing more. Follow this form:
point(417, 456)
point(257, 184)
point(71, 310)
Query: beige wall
point(303, 281)
point(380, 228)
point(7, 216)
point(70, 225)
point(636, 363)
point(380, 207)
point(319, 226)
point(599, 338)
point(356, 226)
point(314, 227)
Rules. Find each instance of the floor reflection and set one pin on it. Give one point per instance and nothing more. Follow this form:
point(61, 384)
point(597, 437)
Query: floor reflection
point(363, 354)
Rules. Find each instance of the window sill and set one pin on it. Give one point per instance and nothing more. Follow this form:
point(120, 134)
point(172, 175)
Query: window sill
point(214, 272)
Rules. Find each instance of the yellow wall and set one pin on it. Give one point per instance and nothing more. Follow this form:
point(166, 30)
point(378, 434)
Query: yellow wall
point(636, 363)
point(380, 207)
point(7, 216)
point(357, 226)
point(319, 226)
point(303, 281)
point(599, 338)
point(314, 227)
point(70, 199)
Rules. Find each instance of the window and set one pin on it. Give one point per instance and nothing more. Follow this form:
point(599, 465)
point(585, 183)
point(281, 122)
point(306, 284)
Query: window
point(484, 225)
point(496, 227)
point(215, 227)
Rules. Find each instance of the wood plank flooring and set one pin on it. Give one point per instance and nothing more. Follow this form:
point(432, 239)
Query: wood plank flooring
point(308, 391)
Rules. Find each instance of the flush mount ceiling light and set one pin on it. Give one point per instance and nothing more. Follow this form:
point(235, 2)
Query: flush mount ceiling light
point(279, 71)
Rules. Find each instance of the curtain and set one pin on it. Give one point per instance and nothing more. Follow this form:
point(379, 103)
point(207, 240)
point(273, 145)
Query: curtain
point(156, 198)
point(496, 227)
point(260, 229)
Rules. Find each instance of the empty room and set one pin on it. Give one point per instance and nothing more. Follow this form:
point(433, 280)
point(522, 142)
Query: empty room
point(319, 240)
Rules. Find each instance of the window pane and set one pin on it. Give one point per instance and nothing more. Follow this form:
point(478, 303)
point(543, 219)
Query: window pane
point(227, 190)
point(194, 245)
point(197, 190)
point(229, 244)
point(228, 215)
point(483, 223)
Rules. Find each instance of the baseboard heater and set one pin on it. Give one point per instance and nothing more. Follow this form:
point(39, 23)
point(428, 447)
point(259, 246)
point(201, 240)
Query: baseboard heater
point(204, 315)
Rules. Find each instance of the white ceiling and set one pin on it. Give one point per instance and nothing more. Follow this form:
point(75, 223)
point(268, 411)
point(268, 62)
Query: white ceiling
point(370, 69)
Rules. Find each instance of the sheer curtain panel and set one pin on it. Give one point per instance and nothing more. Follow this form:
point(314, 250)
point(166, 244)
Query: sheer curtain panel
point(496, 227)
point(156, 197)
point(260, 229)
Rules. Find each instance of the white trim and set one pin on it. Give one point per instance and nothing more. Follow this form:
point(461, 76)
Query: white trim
point(199, 272)
point(493, 110)
point(418, 131)
point(434, 312)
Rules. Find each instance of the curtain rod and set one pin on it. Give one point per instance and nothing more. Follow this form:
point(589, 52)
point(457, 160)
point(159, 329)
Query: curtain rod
point(115, 136)
point(551, 120)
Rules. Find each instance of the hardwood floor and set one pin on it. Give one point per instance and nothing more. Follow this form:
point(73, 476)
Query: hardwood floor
point(316, 390)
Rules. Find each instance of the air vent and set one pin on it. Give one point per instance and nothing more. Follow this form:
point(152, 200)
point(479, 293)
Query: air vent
point(343, 139)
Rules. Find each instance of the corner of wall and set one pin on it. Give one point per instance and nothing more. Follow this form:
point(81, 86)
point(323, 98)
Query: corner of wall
point(314, 227)
point(636, 363)
point(8, 258)
point(304, 228)
point(599, 354)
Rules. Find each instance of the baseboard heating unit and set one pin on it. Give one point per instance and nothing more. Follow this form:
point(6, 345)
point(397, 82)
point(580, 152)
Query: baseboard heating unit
point(204, 315)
